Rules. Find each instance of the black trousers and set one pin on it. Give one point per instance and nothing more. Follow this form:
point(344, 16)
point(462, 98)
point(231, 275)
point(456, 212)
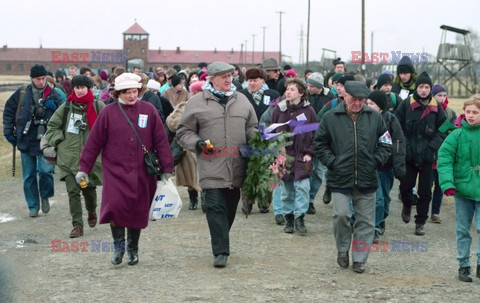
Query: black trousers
point(424, 190)
point(221, 206)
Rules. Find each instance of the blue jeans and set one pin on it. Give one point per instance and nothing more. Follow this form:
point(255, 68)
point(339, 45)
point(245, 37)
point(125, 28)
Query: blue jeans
point(295, 197)
point(277, 199)
point(318, 174)
point(33, 189)
point(465, 210)
point(385, 184)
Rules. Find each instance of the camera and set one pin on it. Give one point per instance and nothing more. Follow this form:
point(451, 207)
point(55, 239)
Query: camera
point(80, 124)
point(39, 110)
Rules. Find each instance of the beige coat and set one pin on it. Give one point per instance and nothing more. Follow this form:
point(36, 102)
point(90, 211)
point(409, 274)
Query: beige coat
point(227, 127)
point(176, 97)
point(186, 171)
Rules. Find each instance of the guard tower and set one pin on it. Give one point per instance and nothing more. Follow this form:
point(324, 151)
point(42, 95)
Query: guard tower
point(326, 63)
point(456, 69)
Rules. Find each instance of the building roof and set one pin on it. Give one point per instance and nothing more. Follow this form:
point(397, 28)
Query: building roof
point(135, 29)
point(46, 54)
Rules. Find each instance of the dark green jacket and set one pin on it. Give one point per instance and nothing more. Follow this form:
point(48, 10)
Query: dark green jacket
point(352, 151)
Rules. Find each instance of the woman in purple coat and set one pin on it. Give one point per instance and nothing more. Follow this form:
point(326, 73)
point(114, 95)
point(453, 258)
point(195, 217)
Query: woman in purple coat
point(127, 188)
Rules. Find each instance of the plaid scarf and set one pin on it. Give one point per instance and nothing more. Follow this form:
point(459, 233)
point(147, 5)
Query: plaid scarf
point(208, 86)
point(258, 95)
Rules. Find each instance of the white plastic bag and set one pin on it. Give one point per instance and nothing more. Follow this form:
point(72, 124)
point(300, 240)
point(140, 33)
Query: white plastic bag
point(166, 203)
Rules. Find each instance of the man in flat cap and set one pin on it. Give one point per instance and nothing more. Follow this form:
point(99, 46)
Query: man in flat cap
point(219, 119)
point(352, 141)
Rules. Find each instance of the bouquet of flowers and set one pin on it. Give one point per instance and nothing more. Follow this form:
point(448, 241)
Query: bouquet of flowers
point(267, 164)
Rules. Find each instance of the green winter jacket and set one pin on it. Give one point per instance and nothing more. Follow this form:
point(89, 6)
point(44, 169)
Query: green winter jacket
point(69, 145)
point(459, 162)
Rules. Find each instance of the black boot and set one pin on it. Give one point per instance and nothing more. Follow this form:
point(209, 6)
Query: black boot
point(289, 224)
point(300, 225)
point(327, 196)
point(311, 209)
point(193, 199)
point(202, 202)
point(132, 239)
point(118, 234)
point(464, 274)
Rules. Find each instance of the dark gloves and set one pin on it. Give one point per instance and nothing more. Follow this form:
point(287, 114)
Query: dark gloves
point(11, 139)
point(450, 192)
point(201, 145)
point(49, 104)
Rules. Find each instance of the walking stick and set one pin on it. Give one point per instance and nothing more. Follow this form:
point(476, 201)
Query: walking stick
point(13, 162)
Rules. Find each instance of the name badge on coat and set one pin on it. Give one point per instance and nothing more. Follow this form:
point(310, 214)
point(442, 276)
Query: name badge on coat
point(142, 121)
point(266, 100)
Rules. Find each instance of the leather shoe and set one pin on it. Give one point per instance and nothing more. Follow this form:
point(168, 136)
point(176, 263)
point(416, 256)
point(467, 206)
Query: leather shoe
point(45, 205)
point(264, 210)
point(327, 196)
point(76, 232)
point(406, 214)
point(132, 257)
point(419, 231)
point(33, 213)
point(358, 267)
point(311, 209)
point(464, 274)
point(220, 260)
point(279, 219)
point(92, 219)
point(343, 260)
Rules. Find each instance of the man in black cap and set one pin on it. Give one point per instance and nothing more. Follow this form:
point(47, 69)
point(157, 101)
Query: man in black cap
point(420, 117)
point(25, 120)
point(394, 168)
point(220, 118)
point(404, 84)
point(352, 141)
point(385, 84)
point(274, 75)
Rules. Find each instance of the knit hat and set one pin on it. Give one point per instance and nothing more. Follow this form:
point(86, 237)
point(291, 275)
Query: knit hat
point(270, 64)
point(219, 67)
point(423, 78)
point(438, 88)
point(405, 65)
point(152, 84)
point(103, 75)
point(327, 77)
point(346, 78)
point(175, 80)
point(336, 77)
point(383, 79)
point(290, 73)
point(357, 89)
point(316, 79)
point(126, 81)
point(59, 73)
point(379, 97)
point(38, 70)
point(196, 87)
point(82, 80)
point(255, 73)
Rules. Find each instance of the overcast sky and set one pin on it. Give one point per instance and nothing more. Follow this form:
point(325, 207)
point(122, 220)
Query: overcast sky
point(405, 25)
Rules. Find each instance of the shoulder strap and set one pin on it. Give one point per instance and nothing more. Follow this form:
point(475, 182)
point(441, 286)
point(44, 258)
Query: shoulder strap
point(133, 128)
point(66, 110)
point(19, 101)
point(394, 99)
point(95, 104)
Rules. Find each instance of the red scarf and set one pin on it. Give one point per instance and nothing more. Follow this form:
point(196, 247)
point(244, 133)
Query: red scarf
point(88, 99)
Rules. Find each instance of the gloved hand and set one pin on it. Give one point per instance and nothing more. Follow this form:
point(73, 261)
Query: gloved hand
point(166, 176)
point(11, 139)
point(201, 146)
point(450, 192)
point(49, 104)
point(81, 175)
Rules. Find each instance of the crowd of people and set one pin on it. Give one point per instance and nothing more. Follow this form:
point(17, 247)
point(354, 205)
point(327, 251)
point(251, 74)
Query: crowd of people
point(370, 132)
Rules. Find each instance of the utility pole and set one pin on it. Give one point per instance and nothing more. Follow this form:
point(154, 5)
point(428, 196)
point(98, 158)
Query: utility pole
point(246, 51)
point(371, 46)
point(363, 37)
point(263, 49)
point(241, 53)
point(308, 35)
point(280, 39)
point(253, 48)
point(300, 55)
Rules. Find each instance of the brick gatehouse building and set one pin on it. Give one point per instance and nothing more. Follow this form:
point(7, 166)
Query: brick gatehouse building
point(18, 61)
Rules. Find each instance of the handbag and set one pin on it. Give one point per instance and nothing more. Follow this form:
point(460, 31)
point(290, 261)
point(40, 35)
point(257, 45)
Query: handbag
point(152, 162)
point(177, 151)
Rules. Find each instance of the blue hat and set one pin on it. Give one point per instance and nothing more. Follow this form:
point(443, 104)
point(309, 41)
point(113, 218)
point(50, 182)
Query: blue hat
point(438, 88)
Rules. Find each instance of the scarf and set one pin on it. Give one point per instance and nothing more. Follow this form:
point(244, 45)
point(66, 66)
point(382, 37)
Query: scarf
point(40, 93)
point(258, 95)
point(431, 107)
point(208, 86)
point(87, 99)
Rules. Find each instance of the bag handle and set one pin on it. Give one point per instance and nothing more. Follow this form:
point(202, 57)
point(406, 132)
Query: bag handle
point(145, 151)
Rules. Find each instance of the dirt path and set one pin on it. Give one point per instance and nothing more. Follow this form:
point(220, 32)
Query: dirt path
point(266, 264)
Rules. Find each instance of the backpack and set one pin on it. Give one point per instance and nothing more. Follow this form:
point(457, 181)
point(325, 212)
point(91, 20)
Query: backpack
point(19, 103)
